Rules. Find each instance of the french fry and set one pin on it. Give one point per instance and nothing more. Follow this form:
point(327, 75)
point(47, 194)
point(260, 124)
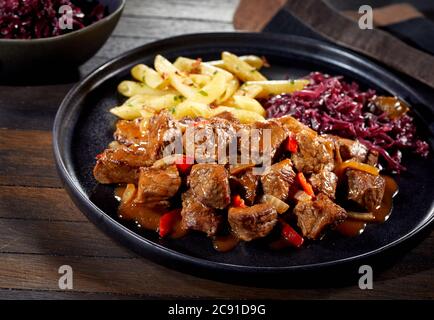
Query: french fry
point(133, 107)
point(131, 88)
point(149, 76)
point(188, 65)
point(243, 116)
point(177, 79)
point(192, 109)
point(126, 113)
point(157, 103)
point(195, 109)
point(162, 65)
point(240, 68)
point(191, 88)
point(249, 90)
point(200, 80)
point(254, 61)
point(212, 91)
point(231, 88)
point(146, 113)
point(249, 104)
point(274, 87)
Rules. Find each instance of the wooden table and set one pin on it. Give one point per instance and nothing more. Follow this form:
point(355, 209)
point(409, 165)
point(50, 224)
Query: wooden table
point(40, 229)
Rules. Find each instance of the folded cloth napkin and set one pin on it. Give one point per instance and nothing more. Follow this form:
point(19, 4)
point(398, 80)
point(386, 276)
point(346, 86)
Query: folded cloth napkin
point(402, 38)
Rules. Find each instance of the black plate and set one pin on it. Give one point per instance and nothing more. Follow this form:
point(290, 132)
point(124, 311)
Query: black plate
point(83, 128)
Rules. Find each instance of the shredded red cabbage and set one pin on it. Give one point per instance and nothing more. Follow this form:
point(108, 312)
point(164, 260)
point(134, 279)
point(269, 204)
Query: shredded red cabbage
point(331, 105)
point(31, 19)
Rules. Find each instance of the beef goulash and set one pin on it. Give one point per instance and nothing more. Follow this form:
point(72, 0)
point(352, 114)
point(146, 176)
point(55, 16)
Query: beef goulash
point(318, 185)
point(214, 147)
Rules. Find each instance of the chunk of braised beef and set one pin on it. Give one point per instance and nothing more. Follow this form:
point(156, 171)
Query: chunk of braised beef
point(372, 158)
point(254, 222)
point(199, 217)
point(247, 184)
point(226, 115)
point(278, 134)
point(317, 215)
point(160, 131)
point(212, 138)
point(324, 182)
point(120, 165)
point(352, 149)
point(128, 132)
point(158, 184)
point(279, 181)
point(315, 153)
point(210, 185)
point(365, 189)
point(293, 125)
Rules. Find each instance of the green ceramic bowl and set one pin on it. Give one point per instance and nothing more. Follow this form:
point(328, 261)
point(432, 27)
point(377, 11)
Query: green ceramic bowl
point(68, 51)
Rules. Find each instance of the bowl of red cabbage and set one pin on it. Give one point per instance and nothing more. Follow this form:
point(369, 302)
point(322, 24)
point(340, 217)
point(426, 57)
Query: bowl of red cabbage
point(54, 34)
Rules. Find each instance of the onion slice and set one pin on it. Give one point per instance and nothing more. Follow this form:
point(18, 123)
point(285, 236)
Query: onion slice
point(129, 193)
point(302, 196)
point(167, 161)
point(361, 216)
point(276, 203)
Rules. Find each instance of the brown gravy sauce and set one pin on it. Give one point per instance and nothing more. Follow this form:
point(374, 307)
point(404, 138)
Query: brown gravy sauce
point(352, 228)
point(149, 218)
point(119, 191)
point(385, 209)
point(225, 243)
point(145, 217)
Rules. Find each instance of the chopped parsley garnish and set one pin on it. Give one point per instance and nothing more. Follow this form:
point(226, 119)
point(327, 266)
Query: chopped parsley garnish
point(292, 81)
point(178, 98)
point(172, 110)
point(204, 93)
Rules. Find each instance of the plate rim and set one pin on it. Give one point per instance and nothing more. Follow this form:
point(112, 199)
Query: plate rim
point(140, 244)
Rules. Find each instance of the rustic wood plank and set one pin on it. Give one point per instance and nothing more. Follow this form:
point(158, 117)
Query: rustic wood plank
point(117, 45)
point(253, 15)
point(161, 28)
point(139, 276)
point(14, 294)
point(221, 10)
point(91, 65)
point(57, 238)
point(38, 204)
point(35, 111)
point(27, 158)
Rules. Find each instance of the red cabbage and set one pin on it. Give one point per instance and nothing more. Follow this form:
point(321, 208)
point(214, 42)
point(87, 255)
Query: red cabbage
point(32, 19)
point(331, 105)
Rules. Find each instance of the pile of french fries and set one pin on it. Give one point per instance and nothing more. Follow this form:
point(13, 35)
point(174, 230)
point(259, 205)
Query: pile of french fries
point(192, 88)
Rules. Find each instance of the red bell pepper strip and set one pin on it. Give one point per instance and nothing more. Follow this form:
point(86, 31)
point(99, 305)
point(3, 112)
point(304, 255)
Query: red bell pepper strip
point(290, 235)
point(291, 144)
point(184, 164)
point(238, 202)
point(167, 222)
point(304, 184)
point(200, 123)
